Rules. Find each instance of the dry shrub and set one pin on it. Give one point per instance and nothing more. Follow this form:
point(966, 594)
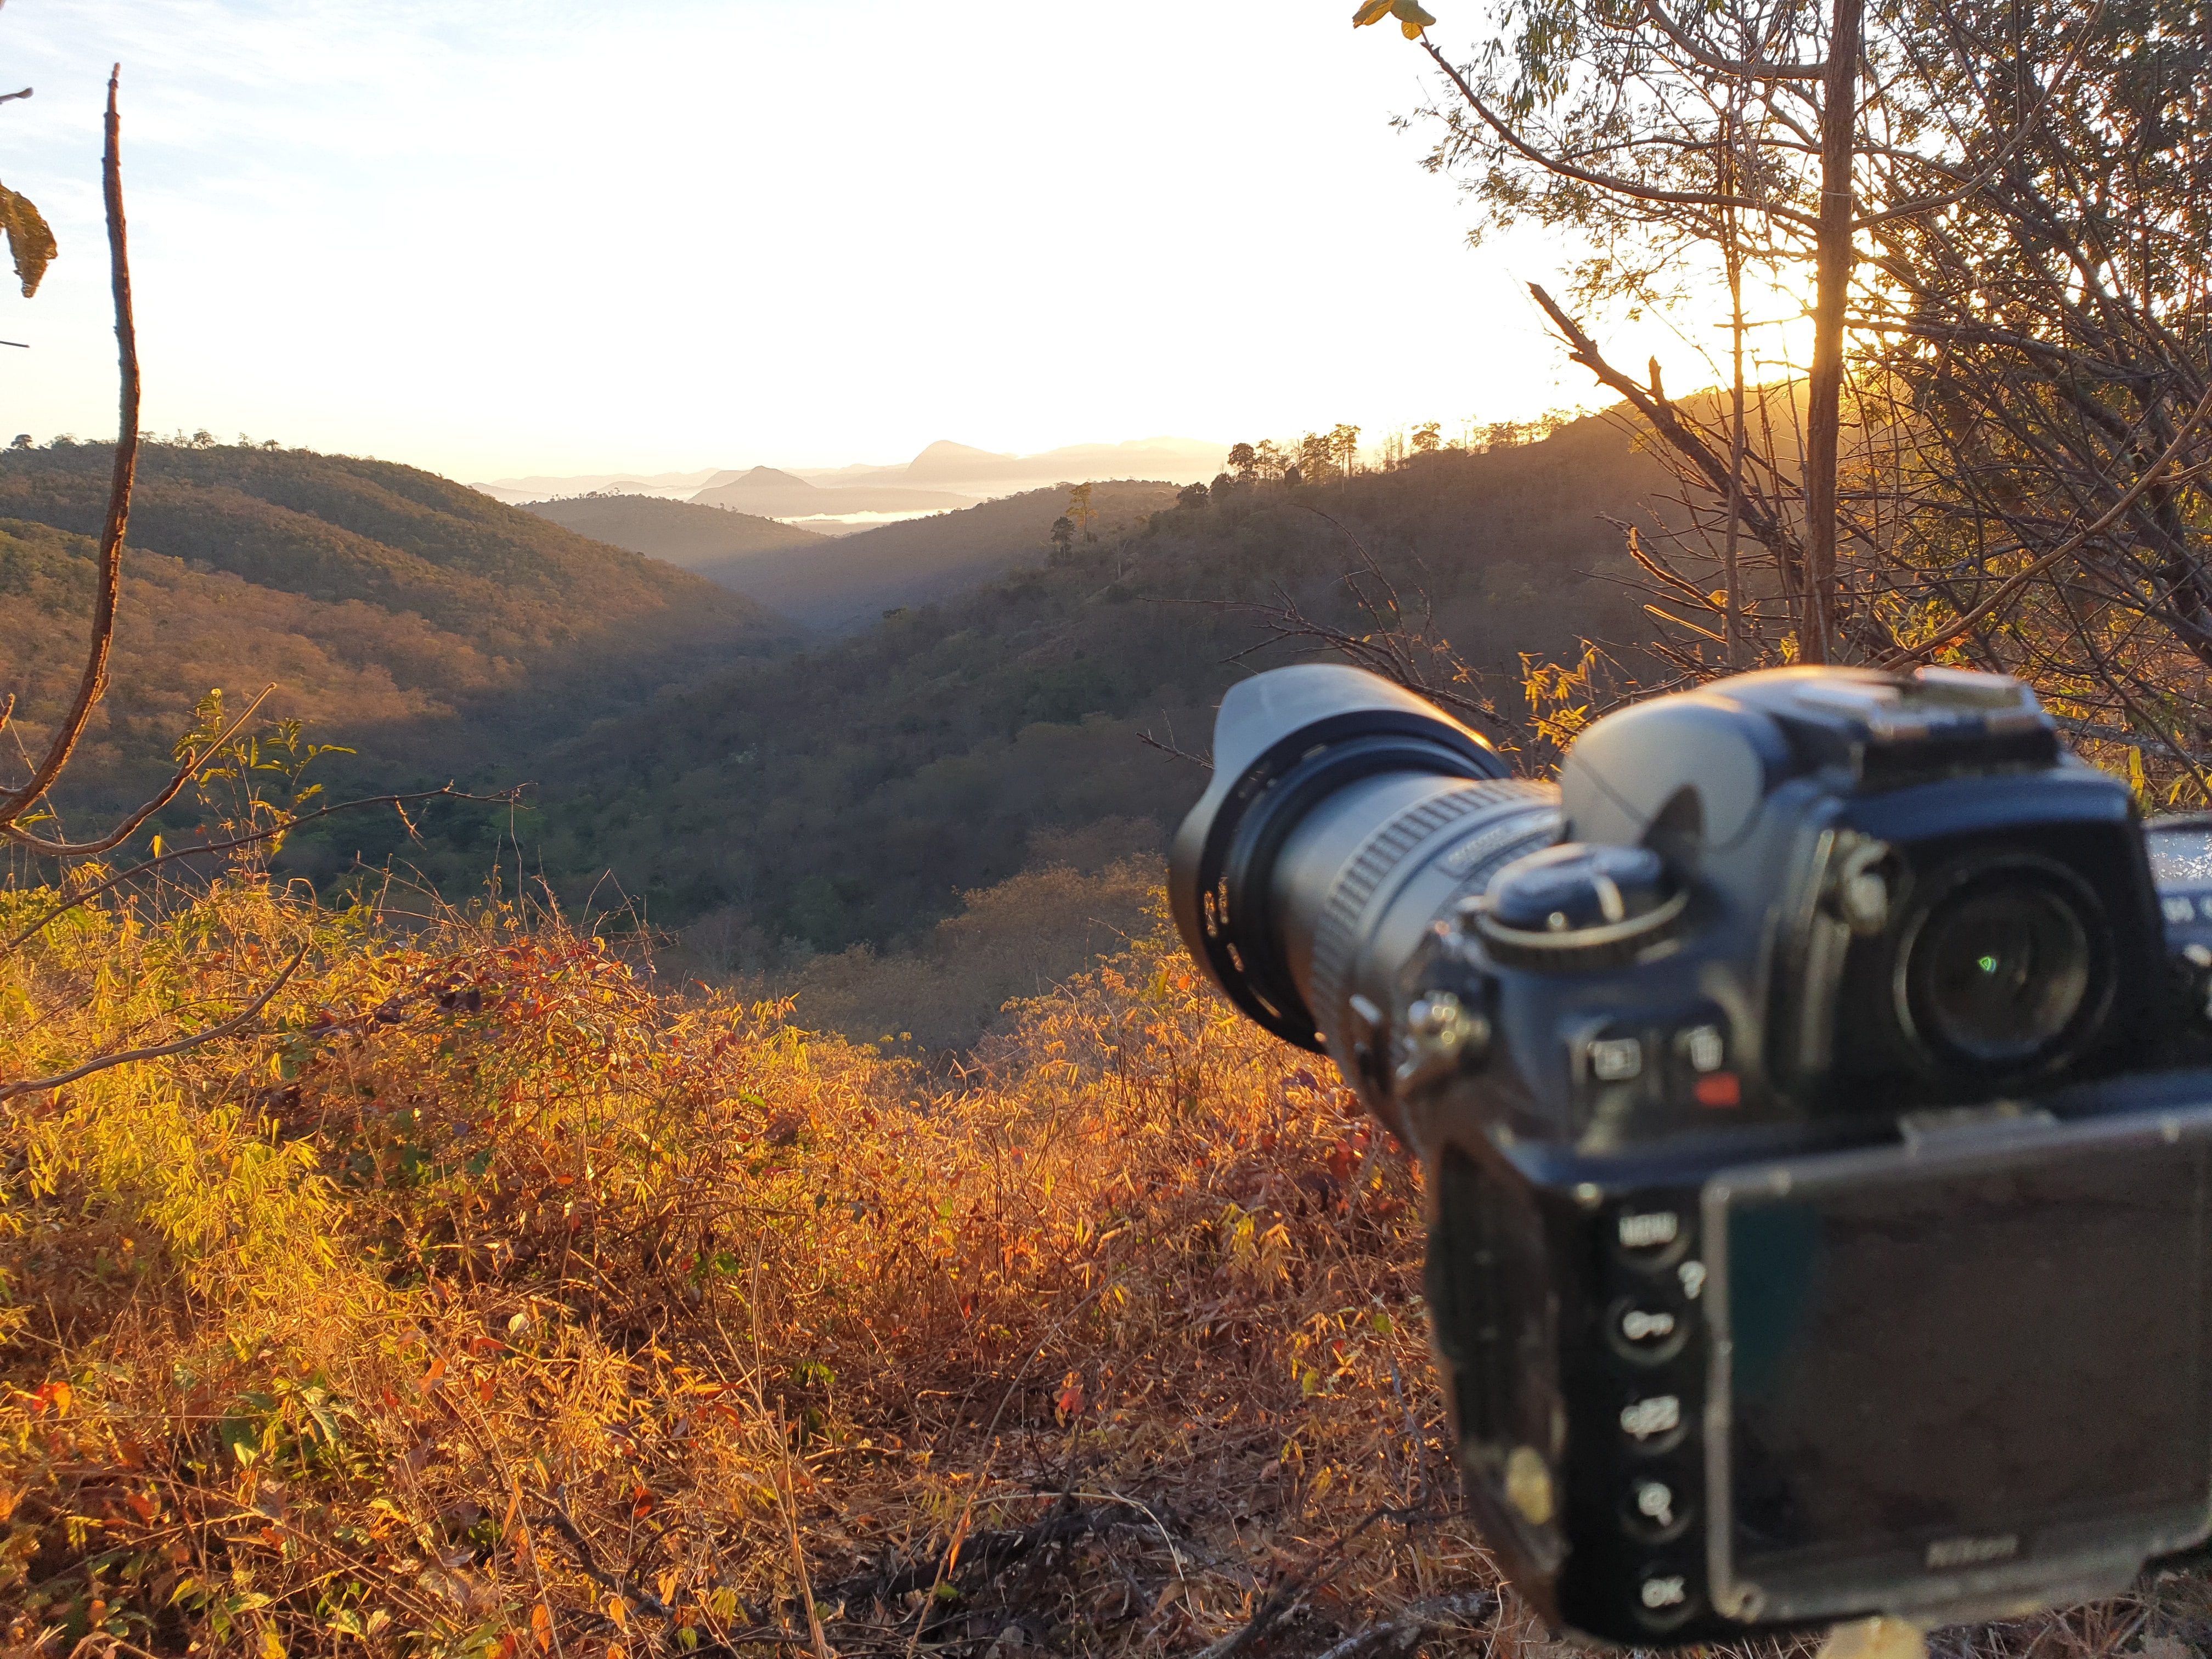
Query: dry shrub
point(1015, 940)
point(495, 1304)
point(496, 1298)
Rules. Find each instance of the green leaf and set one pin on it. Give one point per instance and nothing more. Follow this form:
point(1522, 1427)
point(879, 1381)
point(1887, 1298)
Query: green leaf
point(30, 241)
point(1412, 19)
point(1370, 11)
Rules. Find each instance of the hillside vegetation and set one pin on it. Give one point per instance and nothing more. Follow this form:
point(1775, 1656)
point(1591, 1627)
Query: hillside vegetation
point(854, 792)
point(436, 630)
point(847, 583)
point(493, 1302)
point(704, 539)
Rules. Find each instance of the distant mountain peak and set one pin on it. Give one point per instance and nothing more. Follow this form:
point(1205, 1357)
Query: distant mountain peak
point(767, 477)
point(946, 453)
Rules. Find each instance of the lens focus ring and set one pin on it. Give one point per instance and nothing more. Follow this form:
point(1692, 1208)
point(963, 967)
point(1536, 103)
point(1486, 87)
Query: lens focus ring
point(1351, 911)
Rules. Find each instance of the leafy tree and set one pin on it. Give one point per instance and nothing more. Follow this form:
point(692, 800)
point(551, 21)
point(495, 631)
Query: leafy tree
point(1344, 447)
point(1191, 497)
point(1427, 437)
point(1244, 461)
point(1080, 511)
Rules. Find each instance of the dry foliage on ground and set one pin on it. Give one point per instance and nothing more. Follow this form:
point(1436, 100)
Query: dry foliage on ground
point(493, 1302)
point(489, 1302)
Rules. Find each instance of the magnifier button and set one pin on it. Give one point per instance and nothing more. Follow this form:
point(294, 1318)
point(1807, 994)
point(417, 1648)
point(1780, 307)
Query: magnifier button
point(1653, 1509)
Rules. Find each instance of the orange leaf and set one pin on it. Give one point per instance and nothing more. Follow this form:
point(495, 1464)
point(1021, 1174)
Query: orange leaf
point(541, 1626)
point(1071, 1396)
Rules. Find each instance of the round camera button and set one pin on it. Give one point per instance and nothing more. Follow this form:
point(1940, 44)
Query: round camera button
point(1650, 1239)
point(1648, 1331)
point(1665, 1596)
point(1653, 1423)
point(1654, 1510)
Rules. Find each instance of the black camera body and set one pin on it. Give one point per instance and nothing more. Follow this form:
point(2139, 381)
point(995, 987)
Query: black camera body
point(1812, 1096)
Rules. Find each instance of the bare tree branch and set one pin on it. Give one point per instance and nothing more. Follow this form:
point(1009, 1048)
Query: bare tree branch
point(1627, 187)
point(1734, 68)
point(122, 832)
point(2021, 579)
point(14, 803)
point(229, 1028)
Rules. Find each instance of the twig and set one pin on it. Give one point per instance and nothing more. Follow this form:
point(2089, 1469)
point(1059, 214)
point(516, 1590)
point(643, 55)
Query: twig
point(94, 682)
point(1413, 1625)
point(1278, 1605)
point(1170, 748)
point(229, 1028)
point(123, 831)
point(2011, 589)
point(557, 1519)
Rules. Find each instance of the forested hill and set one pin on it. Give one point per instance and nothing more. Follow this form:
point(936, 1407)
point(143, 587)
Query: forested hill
point(428, 625)
point(710, 540)
point(853, 791)
point(847, 583)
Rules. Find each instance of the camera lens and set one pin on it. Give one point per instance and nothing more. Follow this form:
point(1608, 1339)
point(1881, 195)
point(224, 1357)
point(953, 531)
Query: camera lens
point(2005, 968)
point(1346, 816)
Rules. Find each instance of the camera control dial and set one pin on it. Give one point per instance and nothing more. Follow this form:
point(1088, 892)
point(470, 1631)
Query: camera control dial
point(1576, 906)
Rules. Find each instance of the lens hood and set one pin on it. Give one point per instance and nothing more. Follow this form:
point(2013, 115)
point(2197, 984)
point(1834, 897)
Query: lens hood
point(1284, 741)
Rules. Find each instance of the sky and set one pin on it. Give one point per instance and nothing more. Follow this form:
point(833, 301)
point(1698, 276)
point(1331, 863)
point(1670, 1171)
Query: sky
point(494, 238)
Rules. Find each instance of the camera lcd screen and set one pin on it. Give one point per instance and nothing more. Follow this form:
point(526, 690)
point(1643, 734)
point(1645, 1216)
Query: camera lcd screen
point(1947, 1365)
point(2180, 856)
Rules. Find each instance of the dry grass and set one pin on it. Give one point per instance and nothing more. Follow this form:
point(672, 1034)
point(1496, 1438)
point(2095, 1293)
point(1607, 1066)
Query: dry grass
point(495, 1304)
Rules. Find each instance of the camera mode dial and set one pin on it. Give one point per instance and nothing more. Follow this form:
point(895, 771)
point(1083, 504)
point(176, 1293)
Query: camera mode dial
point(1576, 906)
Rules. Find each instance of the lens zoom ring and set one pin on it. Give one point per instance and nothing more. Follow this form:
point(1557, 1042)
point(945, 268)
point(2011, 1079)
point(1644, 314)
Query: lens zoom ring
point(1336, 935)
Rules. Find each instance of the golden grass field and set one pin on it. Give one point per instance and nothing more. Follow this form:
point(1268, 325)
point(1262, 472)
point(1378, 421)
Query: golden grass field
point(493, 1298)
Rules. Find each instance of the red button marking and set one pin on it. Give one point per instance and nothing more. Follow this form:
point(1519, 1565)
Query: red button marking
point(1720, 1088)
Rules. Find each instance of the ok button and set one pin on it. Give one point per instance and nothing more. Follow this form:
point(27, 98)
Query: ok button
point(1647, 1331)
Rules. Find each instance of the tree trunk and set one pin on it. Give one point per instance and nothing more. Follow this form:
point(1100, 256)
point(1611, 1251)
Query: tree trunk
point(1824, 392)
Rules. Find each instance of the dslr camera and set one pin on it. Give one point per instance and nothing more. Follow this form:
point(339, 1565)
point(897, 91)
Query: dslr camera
point(1812, 1095)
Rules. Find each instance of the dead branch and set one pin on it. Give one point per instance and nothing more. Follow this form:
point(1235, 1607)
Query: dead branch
point(1415, 1625)
point(2012, 586)
point(556, 1517)
point(1170, 748)
point(1286, 1596)
point(123, 831)
point(1660, 410)
point(229, 1028)
point(93, 683)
